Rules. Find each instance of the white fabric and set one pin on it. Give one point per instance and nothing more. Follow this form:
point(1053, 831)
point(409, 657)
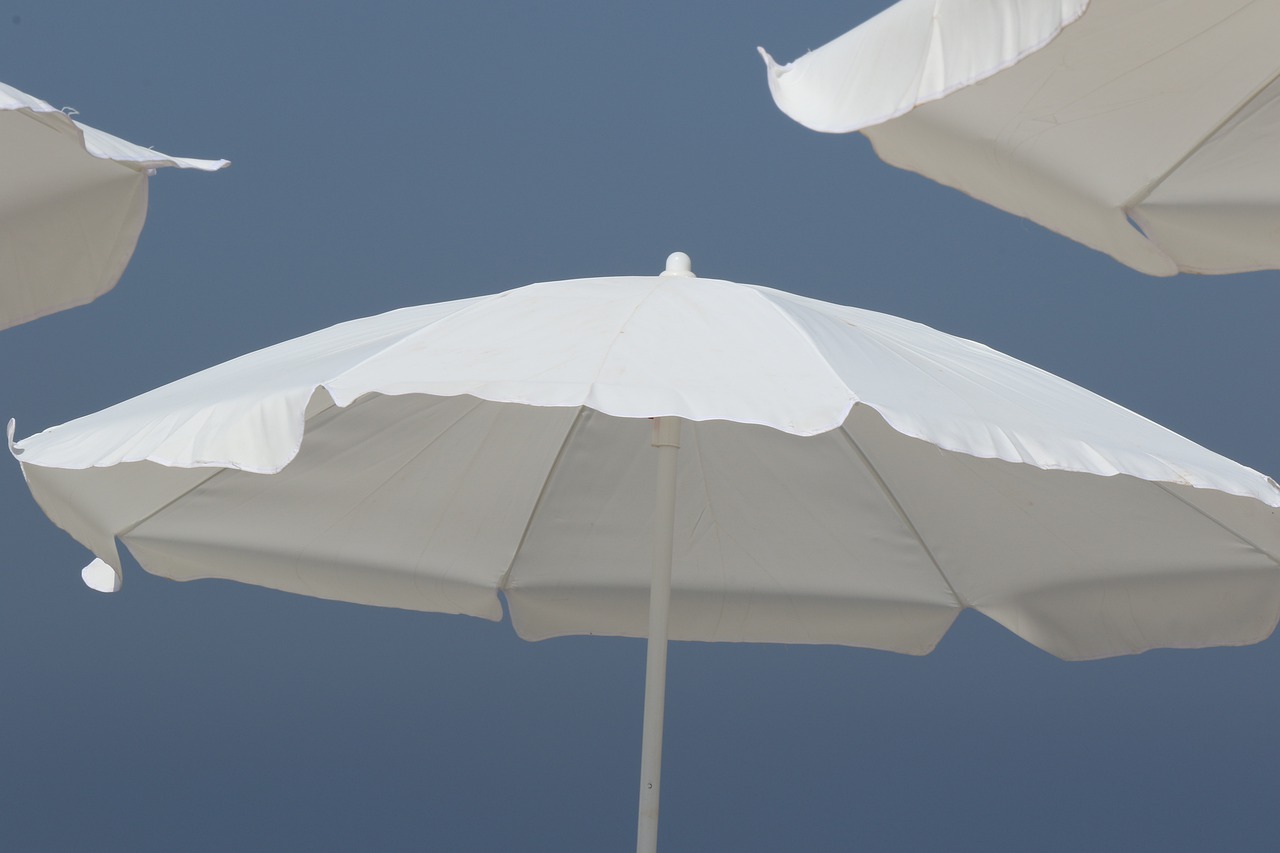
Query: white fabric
point(914, 52)
point(1146, 129)
point(100, 576)
point(72, 204)
point(434, 457)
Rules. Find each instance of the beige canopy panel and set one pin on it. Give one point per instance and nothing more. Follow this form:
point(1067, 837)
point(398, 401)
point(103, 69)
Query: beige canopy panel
point(72, 203)
point(1146, 129)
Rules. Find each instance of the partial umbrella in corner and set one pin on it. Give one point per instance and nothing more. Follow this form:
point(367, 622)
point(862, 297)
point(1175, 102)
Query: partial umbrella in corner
point(1145, 129)
point(73, 200)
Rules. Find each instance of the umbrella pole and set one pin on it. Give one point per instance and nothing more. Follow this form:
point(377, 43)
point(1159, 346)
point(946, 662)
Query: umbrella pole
point(666, 438)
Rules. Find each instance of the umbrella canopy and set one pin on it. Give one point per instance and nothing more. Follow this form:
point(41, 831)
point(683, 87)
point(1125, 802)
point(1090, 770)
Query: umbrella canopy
point(841, 477)
point(1146, 129)
point(846, 477)
point(72, 204)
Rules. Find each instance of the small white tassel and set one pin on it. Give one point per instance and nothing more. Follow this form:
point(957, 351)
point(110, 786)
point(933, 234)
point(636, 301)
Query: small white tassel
point(99, 576)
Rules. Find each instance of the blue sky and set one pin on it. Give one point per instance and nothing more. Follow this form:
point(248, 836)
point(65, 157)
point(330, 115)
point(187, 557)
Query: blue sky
point(392, 154)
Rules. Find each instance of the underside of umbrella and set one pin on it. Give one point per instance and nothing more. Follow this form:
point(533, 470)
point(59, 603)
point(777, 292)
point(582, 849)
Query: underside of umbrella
point(860, 536)
point(1146, 129)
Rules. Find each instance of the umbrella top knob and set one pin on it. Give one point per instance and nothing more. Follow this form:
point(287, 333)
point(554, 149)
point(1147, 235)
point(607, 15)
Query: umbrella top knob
point(678, 263)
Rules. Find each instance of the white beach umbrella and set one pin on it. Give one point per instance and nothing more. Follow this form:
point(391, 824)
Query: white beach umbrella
point(1146, 129)
point(823, 475)
point(72, 203)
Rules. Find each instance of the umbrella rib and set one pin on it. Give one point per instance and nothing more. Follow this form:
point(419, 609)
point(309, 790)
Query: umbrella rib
point(542, 492)
point(764, 294)
point(1142, 194)
point(217, 471)
point(902, 513)
point(1246, 540)
point(124, 531)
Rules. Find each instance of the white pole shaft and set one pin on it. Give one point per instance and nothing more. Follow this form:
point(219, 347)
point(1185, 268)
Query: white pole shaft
point(666, 438)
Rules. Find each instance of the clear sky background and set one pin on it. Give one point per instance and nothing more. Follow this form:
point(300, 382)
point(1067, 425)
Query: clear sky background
point(391, 154)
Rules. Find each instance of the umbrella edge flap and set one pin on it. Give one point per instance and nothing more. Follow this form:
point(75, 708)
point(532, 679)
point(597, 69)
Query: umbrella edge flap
point(99, 143)
point(821, 90)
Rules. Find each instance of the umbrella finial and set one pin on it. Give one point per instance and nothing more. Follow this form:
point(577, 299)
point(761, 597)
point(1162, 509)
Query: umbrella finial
point(678, 263)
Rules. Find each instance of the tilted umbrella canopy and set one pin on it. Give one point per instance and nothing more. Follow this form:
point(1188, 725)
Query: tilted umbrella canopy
point(1146, 129)
point(72, 203)
point(845, 477)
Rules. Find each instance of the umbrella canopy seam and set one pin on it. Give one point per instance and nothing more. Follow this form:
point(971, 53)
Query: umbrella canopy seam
point(419, 581)
point(1246, 540)
point(902, 514)
point(1142, 194)
point(343, 401)
point(126, 530)
point(763, 293)
point(114, 560)
point(537, 503)
point(622, 327)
